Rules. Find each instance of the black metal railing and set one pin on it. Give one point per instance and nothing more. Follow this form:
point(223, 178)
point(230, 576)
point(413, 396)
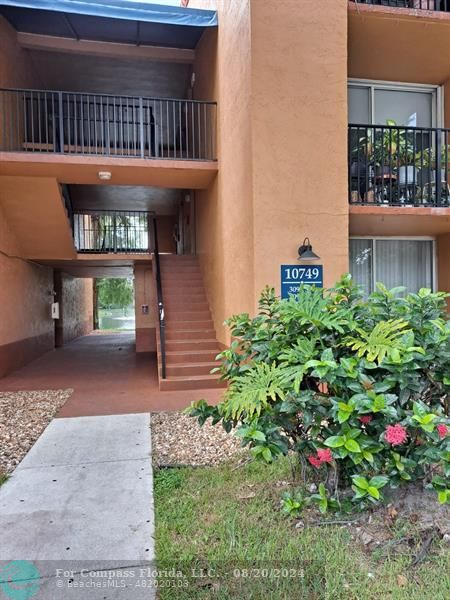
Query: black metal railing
point(389, 164)
point(437, 5)
point(106, 125)
point(112, 231)
point(160, 300)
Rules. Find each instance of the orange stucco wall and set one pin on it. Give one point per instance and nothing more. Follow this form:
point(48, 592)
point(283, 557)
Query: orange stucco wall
point(75, 296)
point(282, 127)
point(224, 223)
point(26, 327)
point(145, 293)
point(299, 131)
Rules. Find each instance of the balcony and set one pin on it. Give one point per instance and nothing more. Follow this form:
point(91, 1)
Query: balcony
point(398, 166)
point(112, 232)
point(103, 125)
point(432, 5)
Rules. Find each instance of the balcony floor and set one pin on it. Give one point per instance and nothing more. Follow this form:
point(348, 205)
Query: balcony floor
point(78, 169)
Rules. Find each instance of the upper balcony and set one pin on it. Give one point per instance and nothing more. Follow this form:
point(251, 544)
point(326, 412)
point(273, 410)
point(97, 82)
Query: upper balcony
point(42, 121)
point(423, 5)
point(398, 166)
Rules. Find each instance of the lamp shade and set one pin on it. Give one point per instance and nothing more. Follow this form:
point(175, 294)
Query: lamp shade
point(305, 251)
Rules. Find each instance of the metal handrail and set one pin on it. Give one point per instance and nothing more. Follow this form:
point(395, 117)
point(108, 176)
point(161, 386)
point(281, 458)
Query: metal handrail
point(85, 123)
point(430, 5)
point(398, 165)
point(160, 300)
point(153, 98)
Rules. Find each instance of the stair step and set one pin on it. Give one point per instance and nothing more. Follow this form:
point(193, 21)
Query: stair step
point(190, 309)
point(191, 383)
point(191, 368)
point(190, 334)
point(203, 315)
point(183, 356)
point(189, 325)
point(180, 304)
point(193, 345)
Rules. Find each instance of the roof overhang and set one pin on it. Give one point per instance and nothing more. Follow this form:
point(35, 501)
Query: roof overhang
point(117, 21)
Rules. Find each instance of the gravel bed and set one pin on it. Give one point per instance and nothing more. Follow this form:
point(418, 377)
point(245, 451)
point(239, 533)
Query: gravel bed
point(23, 417)
point(178, 439)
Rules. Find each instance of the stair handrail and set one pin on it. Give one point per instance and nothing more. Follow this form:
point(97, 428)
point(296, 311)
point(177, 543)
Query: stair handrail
point(160, 300)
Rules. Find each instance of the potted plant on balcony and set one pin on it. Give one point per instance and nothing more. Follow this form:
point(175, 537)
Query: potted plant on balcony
point(430, 164)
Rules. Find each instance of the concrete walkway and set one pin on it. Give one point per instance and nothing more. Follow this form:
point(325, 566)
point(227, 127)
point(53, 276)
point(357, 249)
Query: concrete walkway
point(82, 500)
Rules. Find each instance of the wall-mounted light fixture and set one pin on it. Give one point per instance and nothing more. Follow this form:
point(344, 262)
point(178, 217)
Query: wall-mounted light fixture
point(305, 252)
point(104, 175)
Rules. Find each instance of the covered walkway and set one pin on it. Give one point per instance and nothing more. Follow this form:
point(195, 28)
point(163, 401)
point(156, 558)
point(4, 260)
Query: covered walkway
point(107, 377)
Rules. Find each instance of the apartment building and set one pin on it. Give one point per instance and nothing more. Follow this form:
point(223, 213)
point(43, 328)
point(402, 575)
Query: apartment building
point(199, 147)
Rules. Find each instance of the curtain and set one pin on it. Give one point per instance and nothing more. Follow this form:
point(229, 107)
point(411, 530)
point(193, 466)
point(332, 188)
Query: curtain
point(407, 263)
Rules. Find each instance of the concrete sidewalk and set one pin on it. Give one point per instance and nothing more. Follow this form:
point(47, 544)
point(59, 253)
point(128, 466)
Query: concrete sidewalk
point(82, 499)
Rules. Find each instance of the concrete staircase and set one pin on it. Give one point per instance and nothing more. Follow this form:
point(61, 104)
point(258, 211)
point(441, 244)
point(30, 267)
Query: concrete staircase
point(191, 345)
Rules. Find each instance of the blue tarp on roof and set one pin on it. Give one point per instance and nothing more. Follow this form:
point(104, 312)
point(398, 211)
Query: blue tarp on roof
point(122, 21)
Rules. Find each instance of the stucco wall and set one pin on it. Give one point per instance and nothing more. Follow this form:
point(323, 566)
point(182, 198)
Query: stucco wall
point(299, 135)
point(145, 293)
point(75, 296)
point(26, 327)
point(280, 79)
point(224, 213)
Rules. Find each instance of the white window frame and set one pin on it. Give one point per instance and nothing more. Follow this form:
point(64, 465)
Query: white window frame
point(437, 116)
point(420, 238)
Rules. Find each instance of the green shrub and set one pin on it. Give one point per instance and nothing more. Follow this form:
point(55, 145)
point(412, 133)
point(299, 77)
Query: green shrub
point(358, 387)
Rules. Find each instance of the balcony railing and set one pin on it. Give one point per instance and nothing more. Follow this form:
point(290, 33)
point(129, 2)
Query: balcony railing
point(113, 231)
point(398, 166)
point(437, 5)
point(106, 125)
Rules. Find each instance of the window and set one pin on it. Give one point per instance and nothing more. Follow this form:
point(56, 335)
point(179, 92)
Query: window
point(376, 103)
point(393, 262)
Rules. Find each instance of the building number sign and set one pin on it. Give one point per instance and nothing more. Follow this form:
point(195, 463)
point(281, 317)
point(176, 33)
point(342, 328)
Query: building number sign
point(293, 276)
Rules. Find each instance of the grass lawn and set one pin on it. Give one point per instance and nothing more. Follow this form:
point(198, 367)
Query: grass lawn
point(228, 519)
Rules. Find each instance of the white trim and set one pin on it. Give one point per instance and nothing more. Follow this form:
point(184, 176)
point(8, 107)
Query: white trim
point(419, 238)
point(420, 87)
point(437, 91)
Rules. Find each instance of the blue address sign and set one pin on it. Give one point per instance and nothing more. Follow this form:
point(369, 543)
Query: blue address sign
point(293, 276)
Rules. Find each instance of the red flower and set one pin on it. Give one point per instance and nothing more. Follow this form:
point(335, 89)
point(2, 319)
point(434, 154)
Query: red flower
point(316, 462)
point(365, 419)
point(325, 455)
point(395, 434)
point(442, 430)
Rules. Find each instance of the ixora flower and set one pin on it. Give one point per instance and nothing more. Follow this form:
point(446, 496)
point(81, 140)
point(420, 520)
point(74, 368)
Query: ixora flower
point(395, 434)
point(442, 430)
point(365, 419)
point(323, 456)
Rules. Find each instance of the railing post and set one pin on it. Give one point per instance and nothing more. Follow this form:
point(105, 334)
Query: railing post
point(61, 122)
point(141, 126)
point(438, 166)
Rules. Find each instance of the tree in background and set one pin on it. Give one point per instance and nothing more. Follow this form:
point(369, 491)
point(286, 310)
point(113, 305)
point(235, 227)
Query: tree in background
point(114, 293)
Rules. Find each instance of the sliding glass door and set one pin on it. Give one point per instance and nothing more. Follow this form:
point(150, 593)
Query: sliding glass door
point(376, 104)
